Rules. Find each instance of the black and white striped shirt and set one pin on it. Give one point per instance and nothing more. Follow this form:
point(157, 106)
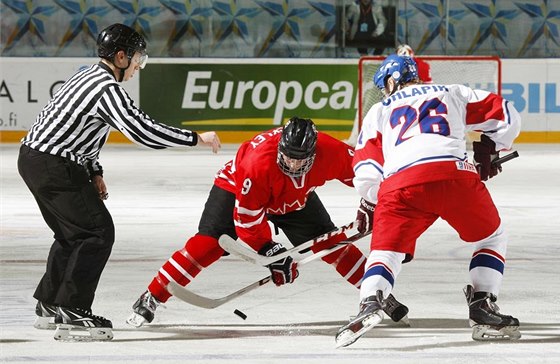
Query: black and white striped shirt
point(75, 123)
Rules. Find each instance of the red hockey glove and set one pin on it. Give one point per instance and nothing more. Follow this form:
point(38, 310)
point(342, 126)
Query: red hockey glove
point(484, 154)
point(284, 270)
point(365, 216)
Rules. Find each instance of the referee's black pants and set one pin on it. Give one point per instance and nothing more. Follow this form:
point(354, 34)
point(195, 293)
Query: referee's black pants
point(83, 228)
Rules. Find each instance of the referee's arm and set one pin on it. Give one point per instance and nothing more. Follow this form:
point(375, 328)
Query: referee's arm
point(117, 109)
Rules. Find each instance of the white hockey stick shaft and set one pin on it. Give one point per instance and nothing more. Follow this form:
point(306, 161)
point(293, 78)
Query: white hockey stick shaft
point(205, 302)
point(244, 252)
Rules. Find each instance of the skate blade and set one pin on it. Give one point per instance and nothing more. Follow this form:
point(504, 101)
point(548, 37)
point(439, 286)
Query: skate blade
point(405, 321)
point(136, 320)
point(71, 333)
point(44, 323)
point(487, 333)
point(348, 337)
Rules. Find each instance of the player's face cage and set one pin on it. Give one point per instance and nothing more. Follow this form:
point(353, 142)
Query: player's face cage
point(295, 167)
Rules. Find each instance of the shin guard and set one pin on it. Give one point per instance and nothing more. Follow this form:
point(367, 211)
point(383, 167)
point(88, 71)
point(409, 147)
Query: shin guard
point(184, 265)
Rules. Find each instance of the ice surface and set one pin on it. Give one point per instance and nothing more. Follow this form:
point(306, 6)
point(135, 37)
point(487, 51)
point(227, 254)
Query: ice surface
point(156, 198)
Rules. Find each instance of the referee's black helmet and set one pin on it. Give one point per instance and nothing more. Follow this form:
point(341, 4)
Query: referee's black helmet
point(119, 37)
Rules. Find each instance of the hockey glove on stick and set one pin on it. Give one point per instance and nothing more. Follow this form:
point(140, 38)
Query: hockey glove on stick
point(284, 270)
point(484, 154)
point(365, 216)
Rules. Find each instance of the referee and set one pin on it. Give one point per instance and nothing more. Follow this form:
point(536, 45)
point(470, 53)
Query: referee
point(58, 160)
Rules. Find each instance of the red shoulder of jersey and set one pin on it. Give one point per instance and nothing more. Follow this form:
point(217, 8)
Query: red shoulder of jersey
point(333, 159)
point(255, 158)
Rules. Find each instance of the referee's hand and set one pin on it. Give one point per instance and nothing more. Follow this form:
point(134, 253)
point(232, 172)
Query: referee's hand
point(210, 139)
point(100, 186)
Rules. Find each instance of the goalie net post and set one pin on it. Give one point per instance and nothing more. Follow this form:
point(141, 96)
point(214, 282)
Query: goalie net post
point(478, 72)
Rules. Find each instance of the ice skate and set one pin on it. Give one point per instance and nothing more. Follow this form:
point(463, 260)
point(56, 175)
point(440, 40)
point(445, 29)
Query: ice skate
point(45, 316)
point(78, 324)
point(485, 319)
point(144, 310)
point(371, 314)
point(396, 310)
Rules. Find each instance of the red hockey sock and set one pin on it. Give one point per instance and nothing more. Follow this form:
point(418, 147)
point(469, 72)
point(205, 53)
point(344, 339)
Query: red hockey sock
point(184, 265)
point(349, 262)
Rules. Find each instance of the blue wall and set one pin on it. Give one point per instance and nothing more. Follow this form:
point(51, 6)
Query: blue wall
point(279, 28)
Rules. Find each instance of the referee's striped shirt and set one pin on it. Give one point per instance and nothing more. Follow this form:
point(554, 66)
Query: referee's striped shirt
point(75, 123)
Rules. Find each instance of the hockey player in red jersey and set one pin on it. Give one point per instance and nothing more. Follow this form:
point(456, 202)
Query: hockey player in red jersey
point(411, 165)
point(272, 178)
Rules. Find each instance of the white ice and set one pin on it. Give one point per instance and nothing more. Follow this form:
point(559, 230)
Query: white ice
point(156, 198)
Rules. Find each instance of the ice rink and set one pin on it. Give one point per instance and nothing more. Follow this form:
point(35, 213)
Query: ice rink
point(156, 198)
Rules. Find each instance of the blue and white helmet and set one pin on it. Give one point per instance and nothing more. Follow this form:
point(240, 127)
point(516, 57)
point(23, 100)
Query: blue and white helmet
point(403, 69)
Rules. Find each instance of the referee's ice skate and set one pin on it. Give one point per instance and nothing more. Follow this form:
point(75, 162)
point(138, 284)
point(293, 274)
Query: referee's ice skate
point(485, 319)
point(371, 314)
point(45, 316)
point(78, 324)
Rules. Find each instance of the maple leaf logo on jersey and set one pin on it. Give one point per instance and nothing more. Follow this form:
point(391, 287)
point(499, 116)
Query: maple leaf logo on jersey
point(288, 207)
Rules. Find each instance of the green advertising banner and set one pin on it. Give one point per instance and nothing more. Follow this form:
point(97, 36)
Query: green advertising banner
point(250, 97)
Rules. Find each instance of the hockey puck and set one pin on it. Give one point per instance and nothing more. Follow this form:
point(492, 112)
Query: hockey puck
point(240, 314)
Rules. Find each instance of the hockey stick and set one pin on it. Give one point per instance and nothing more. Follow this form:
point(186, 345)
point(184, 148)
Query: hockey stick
point(498, 162)
point(246, 253)
point(205, 302)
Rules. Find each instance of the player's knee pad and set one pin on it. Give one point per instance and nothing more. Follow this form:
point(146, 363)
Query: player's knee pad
point(204, 249)
point(496, 242)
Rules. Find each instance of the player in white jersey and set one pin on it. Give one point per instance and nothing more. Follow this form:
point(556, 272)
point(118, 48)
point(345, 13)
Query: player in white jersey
point(411, 165)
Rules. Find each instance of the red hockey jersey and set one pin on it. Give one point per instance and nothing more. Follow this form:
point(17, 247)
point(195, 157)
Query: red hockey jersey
point(424, 71)
point(261, 188)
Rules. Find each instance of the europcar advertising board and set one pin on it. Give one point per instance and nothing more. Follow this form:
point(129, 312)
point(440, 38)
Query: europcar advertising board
point(241, 97)
point(250, 96)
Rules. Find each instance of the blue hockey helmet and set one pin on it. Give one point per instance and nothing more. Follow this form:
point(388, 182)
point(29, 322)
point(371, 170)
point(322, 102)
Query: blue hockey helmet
point(402, 69)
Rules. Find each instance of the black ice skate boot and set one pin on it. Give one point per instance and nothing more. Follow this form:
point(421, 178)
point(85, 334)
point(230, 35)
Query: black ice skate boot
point(144, 310)
point(486, 320)
point(396, 310)
point(371, 314)
point(45, 316)
point(78, 324)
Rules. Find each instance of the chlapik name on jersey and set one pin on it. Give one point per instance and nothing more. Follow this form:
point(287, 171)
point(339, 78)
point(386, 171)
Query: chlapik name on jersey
point(413, 92)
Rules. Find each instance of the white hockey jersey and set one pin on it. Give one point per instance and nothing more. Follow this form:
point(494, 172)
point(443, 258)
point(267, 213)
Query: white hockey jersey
point(425, 124)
